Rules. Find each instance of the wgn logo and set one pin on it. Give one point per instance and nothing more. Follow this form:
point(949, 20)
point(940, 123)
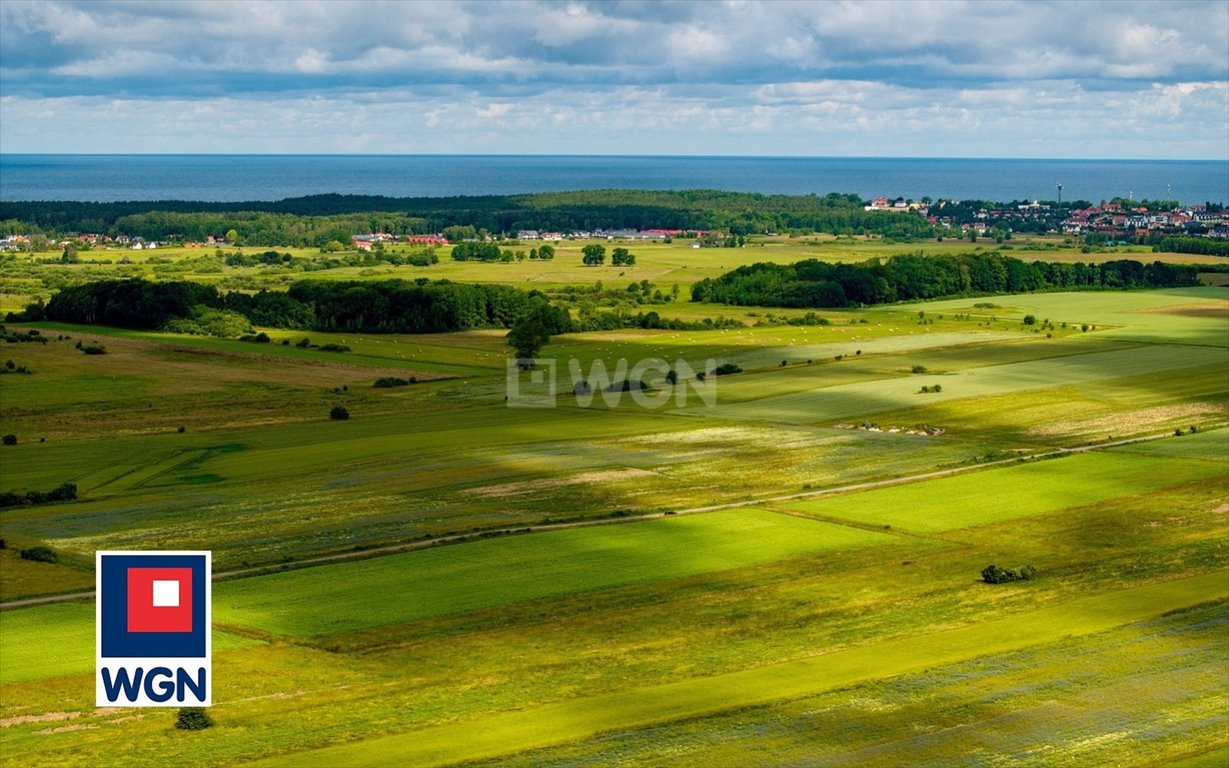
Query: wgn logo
point(152, 630)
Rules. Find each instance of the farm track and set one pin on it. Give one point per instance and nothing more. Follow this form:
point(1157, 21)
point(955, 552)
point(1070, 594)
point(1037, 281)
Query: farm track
point(411, 546)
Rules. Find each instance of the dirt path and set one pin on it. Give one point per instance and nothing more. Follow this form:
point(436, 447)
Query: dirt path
point(393, 549)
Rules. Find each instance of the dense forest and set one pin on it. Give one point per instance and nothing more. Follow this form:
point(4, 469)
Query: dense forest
point(319, 219)
point(813, 283)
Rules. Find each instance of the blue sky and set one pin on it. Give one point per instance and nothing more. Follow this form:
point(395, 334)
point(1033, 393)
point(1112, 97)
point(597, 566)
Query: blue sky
point(914, 78)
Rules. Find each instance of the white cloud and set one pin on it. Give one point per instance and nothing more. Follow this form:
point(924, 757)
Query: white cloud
point(936, 76)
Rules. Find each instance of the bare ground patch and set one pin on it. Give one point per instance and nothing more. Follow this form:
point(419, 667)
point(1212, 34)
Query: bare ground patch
point(1216, 309)
point(529, 486)
point(46, 717)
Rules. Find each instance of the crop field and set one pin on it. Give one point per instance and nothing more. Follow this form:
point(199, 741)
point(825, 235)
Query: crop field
point(481, 569)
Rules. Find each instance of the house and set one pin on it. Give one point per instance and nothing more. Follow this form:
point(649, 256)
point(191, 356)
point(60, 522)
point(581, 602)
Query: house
point(527, 234)
point(426, 240)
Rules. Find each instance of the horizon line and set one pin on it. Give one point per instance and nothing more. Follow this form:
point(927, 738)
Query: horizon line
point(608, 156)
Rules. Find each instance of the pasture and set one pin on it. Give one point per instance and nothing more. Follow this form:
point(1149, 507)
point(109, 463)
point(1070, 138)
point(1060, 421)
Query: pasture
point(804, 621)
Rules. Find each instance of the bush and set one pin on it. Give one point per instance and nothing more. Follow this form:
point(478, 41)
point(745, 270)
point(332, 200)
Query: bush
point(339, 413)
point(39, 554)
point(1030, 319)
point(93, 349)
point(992, 574)
point(388, 382)
point(193, 719)
point(725, 369)
point(918, 369)
point(333, 348)
point(9, 439)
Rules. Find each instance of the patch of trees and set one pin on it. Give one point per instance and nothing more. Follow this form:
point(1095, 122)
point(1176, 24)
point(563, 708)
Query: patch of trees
point(992, 574)
point(397, 306)
point(138, 304)
point(476, 252)
point(1202, 245)
point(388, 306)
point(65, 492)
point(389, 382)
point(40, 554)
point(909, 277)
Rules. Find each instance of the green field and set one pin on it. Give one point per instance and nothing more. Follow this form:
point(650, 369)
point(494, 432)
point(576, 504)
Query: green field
point(1035, 488)
point(829, 612)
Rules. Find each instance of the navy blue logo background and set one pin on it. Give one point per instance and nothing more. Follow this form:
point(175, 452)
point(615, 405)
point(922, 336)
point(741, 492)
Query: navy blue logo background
point(118, 642)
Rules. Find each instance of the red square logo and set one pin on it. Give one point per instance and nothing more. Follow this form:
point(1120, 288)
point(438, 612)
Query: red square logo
point(159, 599)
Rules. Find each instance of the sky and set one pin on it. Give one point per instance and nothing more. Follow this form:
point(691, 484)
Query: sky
point(919, 78)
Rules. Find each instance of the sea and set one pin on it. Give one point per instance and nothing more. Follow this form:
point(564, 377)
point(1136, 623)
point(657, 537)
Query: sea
point(238, 178)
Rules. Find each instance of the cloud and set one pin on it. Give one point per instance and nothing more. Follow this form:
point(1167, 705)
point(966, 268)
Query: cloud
point(637, 75)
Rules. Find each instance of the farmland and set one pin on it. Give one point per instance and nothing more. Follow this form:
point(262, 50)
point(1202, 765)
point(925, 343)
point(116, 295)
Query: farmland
point(788, 573)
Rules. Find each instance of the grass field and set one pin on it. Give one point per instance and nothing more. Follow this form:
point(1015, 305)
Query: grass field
point(846, 628)
point(1034, 488)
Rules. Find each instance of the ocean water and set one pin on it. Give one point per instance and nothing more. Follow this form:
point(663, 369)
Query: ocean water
point(233, 178)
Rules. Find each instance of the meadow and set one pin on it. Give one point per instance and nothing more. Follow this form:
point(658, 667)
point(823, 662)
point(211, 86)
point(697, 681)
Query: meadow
point(827, 611)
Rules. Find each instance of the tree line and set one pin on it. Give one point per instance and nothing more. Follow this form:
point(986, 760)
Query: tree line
point(909, 277)
point(319, 219)
point(1201, 245)
point(388, 306)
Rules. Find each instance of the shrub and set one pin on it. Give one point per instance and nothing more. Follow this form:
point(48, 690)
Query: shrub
point(94, 349)
point(333, 348)
point(1030, 319)
point(193, 719)
point(9, 439)
point(39, 554)
point(304, 343)
point(992, 574)
point(725, 369)
point(339, 413)
point(918, 369)
point(388, 382)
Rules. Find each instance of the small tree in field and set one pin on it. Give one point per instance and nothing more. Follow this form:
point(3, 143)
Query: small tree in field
point(593, 255)
point(339, 413)
point(193, 719)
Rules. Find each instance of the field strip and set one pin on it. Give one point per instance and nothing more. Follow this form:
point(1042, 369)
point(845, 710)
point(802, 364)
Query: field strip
point(580, 719)
point(393, 549)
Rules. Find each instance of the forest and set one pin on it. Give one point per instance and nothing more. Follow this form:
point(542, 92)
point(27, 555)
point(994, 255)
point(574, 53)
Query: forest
point(812, 283)
point(319, 219)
